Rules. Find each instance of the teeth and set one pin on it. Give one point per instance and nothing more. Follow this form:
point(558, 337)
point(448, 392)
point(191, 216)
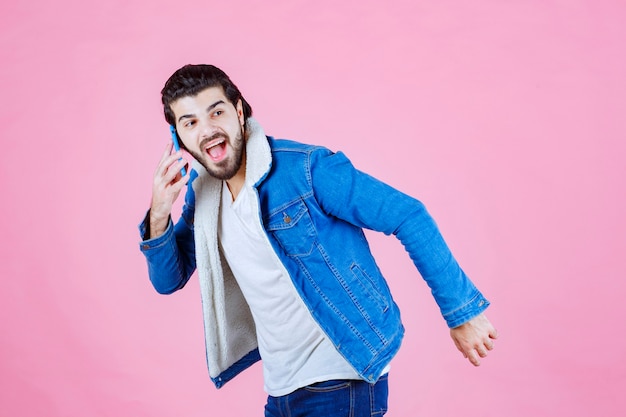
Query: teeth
point(214, 144)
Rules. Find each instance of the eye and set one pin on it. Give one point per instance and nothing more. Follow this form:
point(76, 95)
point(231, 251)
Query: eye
point(218, 112)
point(189, 123)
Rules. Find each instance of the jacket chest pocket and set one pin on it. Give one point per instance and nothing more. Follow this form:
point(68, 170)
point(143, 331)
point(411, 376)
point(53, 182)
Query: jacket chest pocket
point(293, 228)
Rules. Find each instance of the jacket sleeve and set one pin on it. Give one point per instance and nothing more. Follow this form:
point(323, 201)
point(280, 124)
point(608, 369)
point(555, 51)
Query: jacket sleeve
point(356, 197)
point(171, 257)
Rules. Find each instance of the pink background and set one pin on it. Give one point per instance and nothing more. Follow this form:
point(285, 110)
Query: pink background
point(505, 118)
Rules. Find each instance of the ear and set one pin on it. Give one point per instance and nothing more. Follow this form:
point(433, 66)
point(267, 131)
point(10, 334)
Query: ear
point(239, 108)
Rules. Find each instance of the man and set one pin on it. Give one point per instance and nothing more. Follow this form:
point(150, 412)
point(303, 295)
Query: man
point(274, 228)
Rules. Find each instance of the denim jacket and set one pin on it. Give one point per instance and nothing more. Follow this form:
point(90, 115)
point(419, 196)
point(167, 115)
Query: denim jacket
point(313, 207)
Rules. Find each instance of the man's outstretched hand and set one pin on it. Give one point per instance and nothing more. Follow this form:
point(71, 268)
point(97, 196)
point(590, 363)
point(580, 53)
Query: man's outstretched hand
point(474, 338)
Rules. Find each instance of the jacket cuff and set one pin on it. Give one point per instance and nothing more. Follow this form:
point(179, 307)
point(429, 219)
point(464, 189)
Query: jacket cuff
point(148, 243)
point(468, 311)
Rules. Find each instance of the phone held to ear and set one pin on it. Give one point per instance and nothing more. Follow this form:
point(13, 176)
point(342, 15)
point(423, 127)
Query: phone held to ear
point(183, 171)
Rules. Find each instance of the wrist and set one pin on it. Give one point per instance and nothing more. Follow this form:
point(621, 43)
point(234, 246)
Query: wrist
point(157, 224)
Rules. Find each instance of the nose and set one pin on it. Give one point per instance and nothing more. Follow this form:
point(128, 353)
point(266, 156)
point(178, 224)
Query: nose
point(206, 128)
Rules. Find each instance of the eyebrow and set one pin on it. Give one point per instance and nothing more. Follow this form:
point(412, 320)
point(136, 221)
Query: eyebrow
point(208, 109)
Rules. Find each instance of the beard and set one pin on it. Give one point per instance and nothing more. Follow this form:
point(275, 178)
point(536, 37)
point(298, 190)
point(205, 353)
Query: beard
point(229, 166)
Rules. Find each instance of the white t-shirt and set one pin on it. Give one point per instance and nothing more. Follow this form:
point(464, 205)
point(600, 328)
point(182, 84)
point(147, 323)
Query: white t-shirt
point(294, 350)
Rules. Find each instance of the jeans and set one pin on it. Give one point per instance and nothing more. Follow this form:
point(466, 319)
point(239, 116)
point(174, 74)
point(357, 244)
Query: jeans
point(336, 398)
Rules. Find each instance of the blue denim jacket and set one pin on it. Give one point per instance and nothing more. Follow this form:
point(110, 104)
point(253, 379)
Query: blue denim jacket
point(313, 206)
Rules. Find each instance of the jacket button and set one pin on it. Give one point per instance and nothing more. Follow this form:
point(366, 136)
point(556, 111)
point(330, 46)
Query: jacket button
point(286, 218)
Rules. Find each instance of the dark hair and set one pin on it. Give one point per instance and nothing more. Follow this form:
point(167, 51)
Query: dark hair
point(191, 80)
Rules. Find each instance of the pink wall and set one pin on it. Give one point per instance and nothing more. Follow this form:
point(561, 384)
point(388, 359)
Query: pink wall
point(505, 118)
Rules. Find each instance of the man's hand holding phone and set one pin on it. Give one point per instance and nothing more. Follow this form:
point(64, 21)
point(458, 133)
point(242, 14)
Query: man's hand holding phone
point(169, 179)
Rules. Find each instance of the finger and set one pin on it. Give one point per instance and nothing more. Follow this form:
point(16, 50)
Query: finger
point(180, 180)
point(463, 352)
point(172, 173)
point(168, 149)
point(459, 347)
point(473, 358)
point(482, 352)
point(489, 344)
point(166, 152)
point(167, 159)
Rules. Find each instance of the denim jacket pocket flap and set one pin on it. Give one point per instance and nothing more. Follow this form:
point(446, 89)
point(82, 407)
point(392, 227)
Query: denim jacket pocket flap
point(293, 229)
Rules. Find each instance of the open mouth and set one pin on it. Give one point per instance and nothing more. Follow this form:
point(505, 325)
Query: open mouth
point(216, 149)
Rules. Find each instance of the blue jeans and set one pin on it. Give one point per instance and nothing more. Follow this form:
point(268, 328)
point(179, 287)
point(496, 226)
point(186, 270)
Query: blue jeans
point(336, 398)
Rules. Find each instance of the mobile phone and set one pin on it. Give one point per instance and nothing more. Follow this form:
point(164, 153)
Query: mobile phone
point(183, 171)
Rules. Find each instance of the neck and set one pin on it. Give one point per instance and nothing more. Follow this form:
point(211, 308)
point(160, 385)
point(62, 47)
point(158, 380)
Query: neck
point(235, 184)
